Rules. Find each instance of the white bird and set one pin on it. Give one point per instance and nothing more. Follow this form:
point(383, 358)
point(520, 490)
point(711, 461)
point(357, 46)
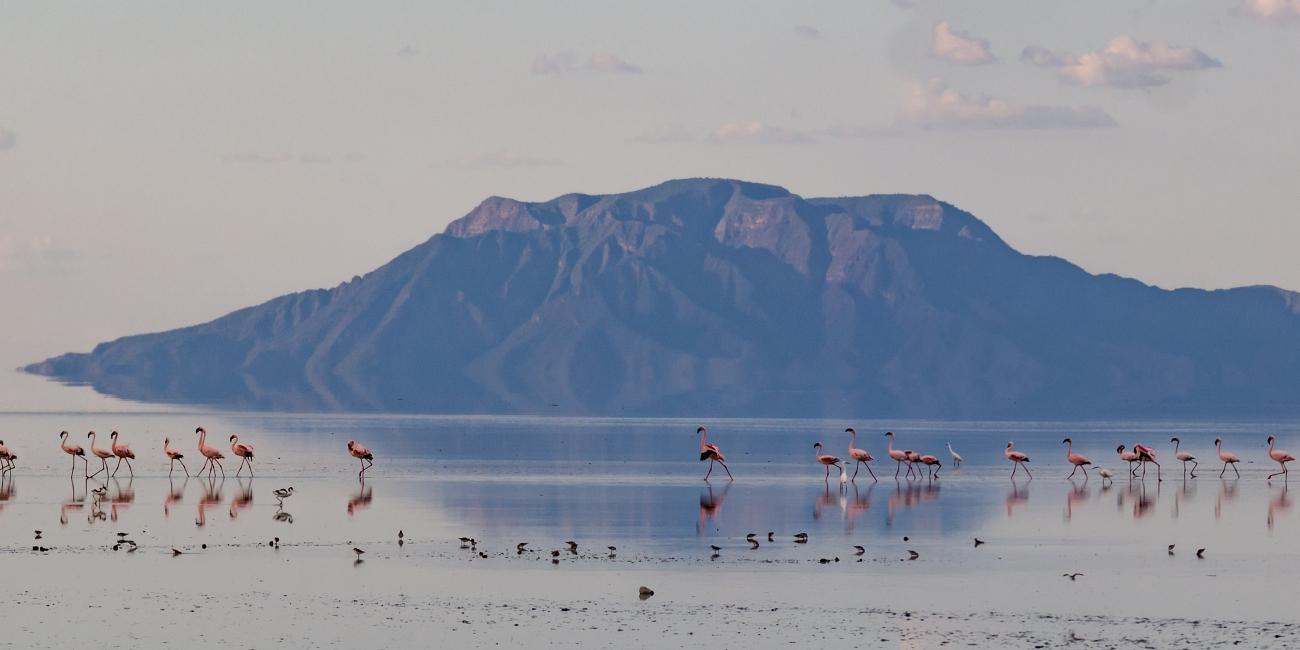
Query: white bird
point(1106, 474)
point(283, 493)
point(956, 457)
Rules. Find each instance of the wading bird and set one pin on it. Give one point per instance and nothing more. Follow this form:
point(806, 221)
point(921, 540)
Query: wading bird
point(899, 456)
point(1018, 458)
point(1146, 455)
point(860, 456)
point(932, 463)
point(1078, 460)
point(1106, 474)
point(1129, 457)
point(6, 458)
point(956, 457)
point(1279, 456)
point(1184, 456)
point(244, 451)
point(74, 451)
point(1226, 457)
point(360, 453)
point(175, 457)
point(282, 493)
point(711, 453)
point(123, 453)
point(212, 454)
point(102, 454)
point(826, 459)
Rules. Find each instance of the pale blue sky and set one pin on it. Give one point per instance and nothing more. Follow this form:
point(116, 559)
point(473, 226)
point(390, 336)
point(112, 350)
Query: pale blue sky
point(162, 163)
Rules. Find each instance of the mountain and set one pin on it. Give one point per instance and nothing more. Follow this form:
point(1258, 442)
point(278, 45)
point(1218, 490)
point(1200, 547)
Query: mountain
point(726, 298)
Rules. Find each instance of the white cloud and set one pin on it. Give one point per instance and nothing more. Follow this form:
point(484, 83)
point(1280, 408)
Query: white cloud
point(500, 158)
point(1123, 63)
point(956, 46)
point(933, 104)
point(809, 32)
point(561, 63)
point(756, 132)
point(7, 139)
point(1278, 10)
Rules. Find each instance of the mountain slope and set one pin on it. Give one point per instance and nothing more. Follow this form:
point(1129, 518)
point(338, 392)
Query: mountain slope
point(720, 297)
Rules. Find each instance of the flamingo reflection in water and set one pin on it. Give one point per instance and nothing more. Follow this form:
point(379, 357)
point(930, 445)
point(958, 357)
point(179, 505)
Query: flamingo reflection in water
point(121, 498)
point(243, 498)
point(1018, 496)
point(1186, 491)
point(1227, 493)
point(1277, 505)
point(710, 507)
point(6, 489)
point(74, 502)
point(1078, 494)
point(174, 495)
point(858, 505)
point(211, 497)
point(908, 495)
point(360, 500)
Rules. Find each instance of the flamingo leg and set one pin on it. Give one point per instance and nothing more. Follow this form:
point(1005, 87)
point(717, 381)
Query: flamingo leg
point(1085, 471)
point(1195, 464)
point(873, 474)
point(187, 470)
point(1225, 468)
point(856, 466)
point(129, 468)
point(706, 474)
point(218, 464)
point(727, 469)
point(1014, 467)
point(898, 467)
point(1027, 471)
point(115, 467)
point(1076, 468)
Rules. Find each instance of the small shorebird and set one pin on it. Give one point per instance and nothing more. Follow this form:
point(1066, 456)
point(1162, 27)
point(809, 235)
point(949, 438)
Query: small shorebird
point(711, 453)
point(1184, 456)
point(102, 454)
point(212, 454)
point(123, 453)
point(1280, 457)
point(283, 493)
point(244, 451)
point(1227, 458)
point(1078, 460)
point(175, 457)
point(360, 453)
point(1019, 459)
point(826, 459)
point(858, 550)
point(860, 456)
point(75, 451)
point(956, 457)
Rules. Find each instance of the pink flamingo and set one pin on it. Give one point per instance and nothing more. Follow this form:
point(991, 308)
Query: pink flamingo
point(175, 457)
point(825, 459)
point(1146, 455)
point(362, 454)
point(123, 453)
point(1281, 457)
point(711, 453)
point(860, 456)
point(212, 454)
point(1185, 457)
point(6, 456)
point(1078, 460)
point(899, 456)
point(74, 451)
point(244, 451)
point(931, 462)
point(1019, 459)
point(102, 454)
point(1129, 457)
point(1227, 458)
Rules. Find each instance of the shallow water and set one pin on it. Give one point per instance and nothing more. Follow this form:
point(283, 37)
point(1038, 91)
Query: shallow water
point(635, 484)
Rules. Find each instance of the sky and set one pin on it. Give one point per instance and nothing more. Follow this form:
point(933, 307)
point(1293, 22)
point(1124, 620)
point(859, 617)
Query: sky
point(164, 163)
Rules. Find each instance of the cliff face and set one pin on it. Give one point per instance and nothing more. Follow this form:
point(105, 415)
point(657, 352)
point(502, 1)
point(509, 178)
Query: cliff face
point(719, 297)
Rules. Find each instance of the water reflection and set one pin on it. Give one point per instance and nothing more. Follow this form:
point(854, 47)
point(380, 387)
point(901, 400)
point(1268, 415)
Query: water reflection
point(907, 495)
point(74, 502)
point(859, 504)
point(122, 497)
point(826, 500)
point(361, 499)
point(1145, 502)
point(1078, 493)
point(1278, 505)
point(174, 495)
point(1018, 496)
point(243, 498)
point(710, 506)
point(1227, 493)
point(6, 489)
point(1186, 491)
point(211, 497)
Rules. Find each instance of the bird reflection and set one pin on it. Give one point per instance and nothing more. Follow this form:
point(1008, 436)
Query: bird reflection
point(243, 499)
point(74, 502)
point(1078, 494)
point(710, 506)
point(6, 489)
point(1227, 492)
point(1146, 502)
point(174, 495)
point(282, 516)
point(1277, 505)
point(907, 495)
point(361, 499)
point(211, 497)
point(824, 501)
point(1018, 496)
point(122, 497)
point(860, 503)
point(1186, 491)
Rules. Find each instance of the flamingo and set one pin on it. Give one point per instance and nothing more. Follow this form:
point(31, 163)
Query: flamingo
point(212, 454)
point(361, 453)
point(956, 457)
point(1184, 456)
point(931, 462)
point(1078, 460)
point(74, 451)
point(175, 457)
point(6, 456)
point(102, 454)
point(899, 456)
point(123, 453)
point(826, 459)
point(1129, 457)
point(1146, 455)
point(244, 451)
point(1226, 458)
point(1280, 456)
point(860, 456)
point(1019, 458)
point(711, 453)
